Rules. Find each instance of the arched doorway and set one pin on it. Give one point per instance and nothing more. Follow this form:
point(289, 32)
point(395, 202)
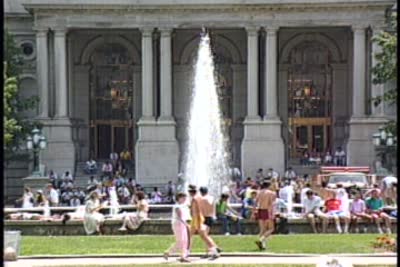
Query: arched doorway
point(111, 100)
point(309, 99)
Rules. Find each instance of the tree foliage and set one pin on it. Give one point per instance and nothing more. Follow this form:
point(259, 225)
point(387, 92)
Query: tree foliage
point(16, 126)
point(385, 70)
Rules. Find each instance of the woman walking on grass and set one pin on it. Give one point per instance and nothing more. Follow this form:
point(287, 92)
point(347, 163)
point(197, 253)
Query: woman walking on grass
point(181, 228)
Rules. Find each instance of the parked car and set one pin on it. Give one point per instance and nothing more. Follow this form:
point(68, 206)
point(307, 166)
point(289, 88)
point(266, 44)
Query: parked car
point(348, 179)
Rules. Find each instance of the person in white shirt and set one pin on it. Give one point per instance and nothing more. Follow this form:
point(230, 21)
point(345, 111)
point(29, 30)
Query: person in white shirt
point(66, 197)
point(287, 195)
point(272, 173)
point(53, 195)
point(27, 198)
point(388, 189)
point(75, 201)
point(312, 208)
point(67, 176)
point(340, 157)
point(328, 158)
point(180, 227)
point(303, 192)
point(114, 158)
point(290, 174)
point(91, 166)
point(156, 196)
point(92, 182)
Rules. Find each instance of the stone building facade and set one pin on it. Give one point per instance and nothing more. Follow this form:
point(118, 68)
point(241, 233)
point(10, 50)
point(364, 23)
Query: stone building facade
point(294, 75)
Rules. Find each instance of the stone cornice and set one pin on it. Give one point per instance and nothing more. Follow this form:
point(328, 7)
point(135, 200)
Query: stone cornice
point(152, 6)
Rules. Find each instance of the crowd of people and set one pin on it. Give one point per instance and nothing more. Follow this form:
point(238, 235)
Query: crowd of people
point(327, 159)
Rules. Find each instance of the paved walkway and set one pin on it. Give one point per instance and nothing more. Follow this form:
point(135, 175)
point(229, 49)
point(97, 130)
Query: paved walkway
point(345, 261)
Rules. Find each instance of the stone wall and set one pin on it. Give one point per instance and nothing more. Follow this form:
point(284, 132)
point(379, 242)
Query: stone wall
point(13, 175)
point(160, 227)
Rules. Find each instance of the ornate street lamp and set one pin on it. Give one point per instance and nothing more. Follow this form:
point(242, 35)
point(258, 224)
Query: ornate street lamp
point(36, 142)
point(384, 142)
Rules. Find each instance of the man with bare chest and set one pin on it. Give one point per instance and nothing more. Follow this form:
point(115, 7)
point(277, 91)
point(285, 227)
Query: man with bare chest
point(197, 225)
point(265, 202)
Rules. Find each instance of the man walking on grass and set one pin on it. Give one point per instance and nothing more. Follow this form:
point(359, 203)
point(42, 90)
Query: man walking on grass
point(265, 202)
point(197, 225)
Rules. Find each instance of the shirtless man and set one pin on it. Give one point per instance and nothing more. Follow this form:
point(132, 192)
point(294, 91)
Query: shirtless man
point(207, 208)
point(198, 225)
point(325, 192)
point(265, 202)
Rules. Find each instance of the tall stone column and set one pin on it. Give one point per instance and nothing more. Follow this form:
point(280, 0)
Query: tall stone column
point(156, 145)
point(147, 74)
point(252, 73)
point(359, 71)
point(166, 74)
point(60, 154)
point(360, 150)
point(271, 90)
point(376, 89)
point(42, 68)
point(262, 138)
point(60, 62)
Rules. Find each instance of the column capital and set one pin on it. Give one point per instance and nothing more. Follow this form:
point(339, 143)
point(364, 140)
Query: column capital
point(147, 31)
point(252, 30)
point(271, 29)
point(359, 28)
point(41, 29)
point(60, 31)
point(165, 31)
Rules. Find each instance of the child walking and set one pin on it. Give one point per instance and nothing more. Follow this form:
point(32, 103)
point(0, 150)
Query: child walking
point(181, 228)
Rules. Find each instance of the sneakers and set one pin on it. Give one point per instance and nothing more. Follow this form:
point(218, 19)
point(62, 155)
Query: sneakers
point(239, 233)
point(388, 231)
point(339, 230)
point(380, 230)
point(165, 256)
point(122, 229)
point(357, 230)
point(227, 233)
point(184, 260)
point(260, 245)
point(365, 230)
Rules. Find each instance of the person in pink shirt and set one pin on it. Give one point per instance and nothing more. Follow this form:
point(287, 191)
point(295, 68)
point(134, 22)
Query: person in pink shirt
point(358, 212)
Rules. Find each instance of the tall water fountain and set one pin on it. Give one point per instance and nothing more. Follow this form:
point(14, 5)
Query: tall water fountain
point(206, 158)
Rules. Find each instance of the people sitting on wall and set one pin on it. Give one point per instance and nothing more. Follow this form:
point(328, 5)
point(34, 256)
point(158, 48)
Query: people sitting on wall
point(90, 166)
point(26, 200)
point(333, 211)
point(249, 205)
point(312, 210)
point(227, 215)
point(93, 220)
point(375, 209)
point(340, 157)
point(132, 221)
point(358, 212)
point(41, 201)
point(287, 194)
point(52, 195)
point(389, 192)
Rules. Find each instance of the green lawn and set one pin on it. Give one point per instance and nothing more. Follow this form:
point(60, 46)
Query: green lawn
point(148, 244)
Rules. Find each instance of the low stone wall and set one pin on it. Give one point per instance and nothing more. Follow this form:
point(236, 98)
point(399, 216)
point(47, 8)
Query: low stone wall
point(160, 227)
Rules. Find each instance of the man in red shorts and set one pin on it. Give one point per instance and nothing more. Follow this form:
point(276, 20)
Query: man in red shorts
point(265, 202)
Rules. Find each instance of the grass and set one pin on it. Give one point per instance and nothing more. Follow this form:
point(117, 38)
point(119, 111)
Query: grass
point(152, 244)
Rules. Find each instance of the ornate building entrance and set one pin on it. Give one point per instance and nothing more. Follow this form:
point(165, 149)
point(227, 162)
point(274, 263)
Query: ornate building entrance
point(111, 101)
point(310, 99)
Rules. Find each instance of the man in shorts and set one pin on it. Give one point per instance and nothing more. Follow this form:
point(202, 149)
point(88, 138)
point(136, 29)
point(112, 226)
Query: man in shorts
point(197, 225)
point(265, 202)
point(312, 210)
point(207, 208)
point(333, 210)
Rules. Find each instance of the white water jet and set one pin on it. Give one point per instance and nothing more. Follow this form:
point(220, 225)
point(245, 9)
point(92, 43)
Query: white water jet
point(206, 158)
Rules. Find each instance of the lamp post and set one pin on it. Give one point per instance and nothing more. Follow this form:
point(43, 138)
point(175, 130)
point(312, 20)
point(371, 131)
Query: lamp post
point(36, 142)
point(384, 142)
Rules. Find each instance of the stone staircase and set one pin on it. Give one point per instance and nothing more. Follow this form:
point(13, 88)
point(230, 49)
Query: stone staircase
point(301, 169)
point(81, 178)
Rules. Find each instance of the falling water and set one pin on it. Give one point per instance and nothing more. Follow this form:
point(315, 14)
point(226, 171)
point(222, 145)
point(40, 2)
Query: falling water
point(206, 157)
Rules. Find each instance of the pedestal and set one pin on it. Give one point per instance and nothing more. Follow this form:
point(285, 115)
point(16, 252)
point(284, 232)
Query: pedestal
point(35, 182)
point(360, 149)
point(262, 146)
point(60, 154)
point(157, 152)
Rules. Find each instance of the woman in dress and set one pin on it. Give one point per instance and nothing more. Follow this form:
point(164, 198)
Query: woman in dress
point(133, 220)
point(181, 228)
point(93, 220)
point(27, 198)
point(42, 201)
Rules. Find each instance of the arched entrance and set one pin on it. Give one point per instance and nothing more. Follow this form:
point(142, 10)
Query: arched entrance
point(111, 100)
point(309, 99)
